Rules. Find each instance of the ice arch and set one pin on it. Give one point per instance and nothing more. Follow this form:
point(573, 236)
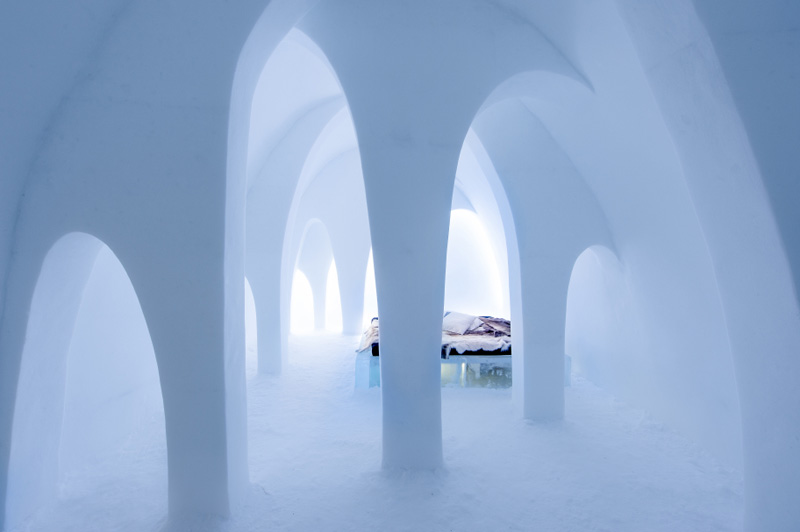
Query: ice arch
point(555, 216)
point(617, 144)
point(302, 152)
point(598, 311)
point(478, 190)
point(637, 183)
point(331, 190)
point(112, 86)
point(273, 23)
point(302, 316)
point(410, 136)
point(478, 176)
point(574, 120)
point(81, 392)
point(686, 81)
point(333, 301)
point(329, 174)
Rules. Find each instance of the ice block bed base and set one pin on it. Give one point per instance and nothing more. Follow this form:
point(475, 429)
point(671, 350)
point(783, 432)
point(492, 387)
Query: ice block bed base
point(458, 371)
point(480, 352)
point(472, 370)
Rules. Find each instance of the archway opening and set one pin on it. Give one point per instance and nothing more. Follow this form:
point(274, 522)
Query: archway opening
point(473, 282)
point(333, 301)
point(314, 261)
point(598, 309)
point(302, 309)
point(89, 397)
point(303, 166)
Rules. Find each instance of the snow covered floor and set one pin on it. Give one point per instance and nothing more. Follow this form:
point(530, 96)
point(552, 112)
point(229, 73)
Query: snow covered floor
point(315, 453)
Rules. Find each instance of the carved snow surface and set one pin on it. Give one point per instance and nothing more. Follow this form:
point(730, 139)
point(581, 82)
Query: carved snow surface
point(315, 453)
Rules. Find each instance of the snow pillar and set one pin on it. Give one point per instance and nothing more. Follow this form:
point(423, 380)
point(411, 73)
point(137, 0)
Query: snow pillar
point(318, 277)
point(351, 269)
point(409, 190)
point(544, 286)
point(266, 293)
point(556, 217)
point(410, 136)
point(204, 401)
point(267, 211)
point(413, 91)
point(263, 265)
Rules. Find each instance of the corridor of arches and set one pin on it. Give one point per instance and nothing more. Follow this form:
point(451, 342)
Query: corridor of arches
point(199, 245)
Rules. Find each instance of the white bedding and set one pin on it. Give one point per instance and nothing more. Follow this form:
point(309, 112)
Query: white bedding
point(460, 333)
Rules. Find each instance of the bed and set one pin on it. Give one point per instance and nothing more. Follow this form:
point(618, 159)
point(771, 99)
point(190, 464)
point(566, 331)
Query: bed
point(476, 352)
point(462, 334)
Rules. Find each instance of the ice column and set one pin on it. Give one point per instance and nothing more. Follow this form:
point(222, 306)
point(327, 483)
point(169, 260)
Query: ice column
point(556, 217)
point(409, 205)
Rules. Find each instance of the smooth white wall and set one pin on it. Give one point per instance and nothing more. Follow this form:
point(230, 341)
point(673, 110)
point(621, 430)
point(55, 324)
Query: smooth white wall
point(704, 100)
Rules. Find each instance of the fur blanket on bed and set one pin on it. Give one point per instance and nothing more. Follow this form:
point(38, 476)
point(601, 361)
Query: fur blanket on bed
point(460, 333)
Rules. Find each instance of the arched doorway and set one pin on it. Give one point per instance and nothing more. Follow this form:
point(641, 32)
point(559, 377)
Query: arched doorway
point(89, 395)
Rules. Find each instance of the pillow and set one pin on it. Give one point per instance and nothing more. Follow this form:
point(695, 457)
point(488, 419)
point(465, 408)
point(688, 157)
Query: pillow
point(456, 322)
